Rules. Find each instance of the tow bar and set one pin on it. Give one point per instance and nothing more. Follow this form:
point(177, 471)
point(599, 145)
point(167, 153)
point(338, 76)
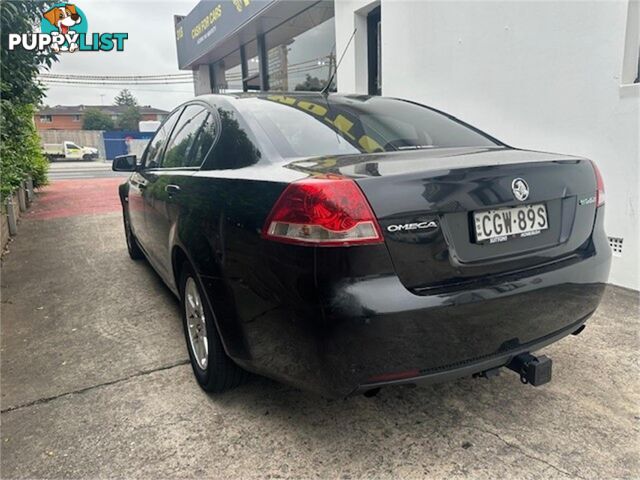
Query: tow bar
point(533, 370)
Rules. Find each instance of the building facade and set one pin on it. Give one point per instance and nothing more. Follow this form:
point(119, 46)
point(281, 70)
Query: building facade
point(247, 45)
point(70, 117)
point(553, 76)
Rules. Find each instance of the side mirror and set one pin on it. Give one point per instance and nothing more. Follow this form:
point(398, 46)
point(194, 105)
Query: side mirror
point(125, 163)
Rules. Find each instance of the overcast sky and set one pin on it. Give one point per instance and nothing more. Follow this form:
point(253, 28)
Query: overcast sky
point(150, 49)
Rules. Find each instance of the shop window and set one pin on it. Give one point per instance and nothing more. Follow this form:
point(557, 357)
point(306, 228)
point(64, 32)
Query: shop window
point(228, 73)
point(300, 51)
point(252, 75)
point(374, 49)
point(631, 60)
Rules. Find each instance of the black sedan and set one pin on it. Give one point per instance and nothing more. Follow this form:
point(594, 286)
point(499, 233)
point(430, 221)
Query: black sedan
point(341, 243)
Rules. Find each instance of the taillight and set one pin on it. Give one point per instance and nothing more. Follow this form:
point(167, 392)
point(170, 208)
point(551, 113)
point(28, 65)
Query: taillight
point(599, 185)
point(328, 211)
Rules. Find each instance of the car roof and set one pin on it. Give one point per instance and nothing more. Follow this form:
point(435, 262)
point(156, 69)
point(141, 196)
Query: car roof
point(336, 98)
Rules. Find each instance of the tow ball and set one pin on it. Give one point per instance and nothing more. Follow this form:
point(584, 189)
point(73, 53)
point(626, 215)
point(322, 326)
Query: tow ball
point(533, 370)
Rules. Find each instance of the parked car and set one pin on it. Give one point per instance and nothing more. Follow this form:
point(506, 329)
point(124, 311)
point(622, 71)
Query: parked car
point(68, 151)
point(343, 243)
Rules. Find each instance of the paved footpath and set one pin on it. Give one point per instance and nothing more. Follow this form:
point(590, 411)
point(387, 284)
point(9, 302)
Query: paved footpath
point(94, 383)
point(78, 169)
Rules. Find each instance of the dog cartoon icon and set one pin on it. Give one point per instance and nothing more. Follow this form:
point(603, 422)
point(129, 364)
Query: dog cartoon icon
point(63, 18)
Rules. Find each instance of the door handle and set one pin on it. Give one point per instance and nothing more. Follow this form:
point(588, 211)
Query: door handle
point(172, 189)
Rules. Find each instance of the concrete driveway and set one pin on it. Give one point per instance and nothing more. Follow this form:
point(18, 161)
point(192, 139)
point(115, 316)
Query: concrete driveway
point(95, 383)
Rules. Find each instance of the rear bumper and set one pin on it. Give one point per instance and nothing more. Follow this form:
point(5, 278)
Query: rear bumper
point(362, 329)
point(477, 366)
point(380, 329)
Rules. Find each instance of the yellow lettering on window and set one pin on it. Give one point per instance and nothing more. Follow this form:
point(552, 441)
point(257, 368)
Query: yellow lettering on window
point(282, 99)
point(343, 124)
point(313, 108)
point(369, 144)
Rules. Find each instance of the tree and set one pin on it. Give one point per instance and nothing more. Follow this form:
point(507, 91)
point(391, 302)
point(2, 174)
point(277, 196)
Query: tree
point(311, 84)
point(94, 119)
point(20, 91)
point(126, 98)
point(20, 67)
point(130, 118)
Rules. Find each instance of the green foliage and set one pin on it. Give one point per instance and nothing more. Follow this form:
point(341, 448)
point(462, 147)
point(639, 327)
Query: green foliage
point(20, 67)
point(125, 97)
point(129, 119)
point(20, 151)
point(20, 90)
point(94, 119)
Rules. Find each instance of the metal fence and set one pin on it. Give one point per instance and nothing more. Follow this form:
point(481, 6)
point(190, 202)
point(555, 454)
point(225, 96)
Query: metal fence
point(122, 142)
point(109, 143)
point(84, 138)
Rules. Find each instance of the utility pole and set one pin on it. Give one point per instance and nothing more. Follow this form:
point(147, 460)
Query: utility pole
point(332, 60)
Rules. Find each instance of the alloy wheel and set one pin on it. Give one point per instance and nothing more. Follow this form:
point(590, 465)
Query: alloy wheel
point(196, 323)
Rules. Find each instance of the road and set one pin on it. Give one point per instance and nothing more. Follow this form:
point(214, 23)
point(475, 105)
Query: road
point(68, 169)
point(95, 383)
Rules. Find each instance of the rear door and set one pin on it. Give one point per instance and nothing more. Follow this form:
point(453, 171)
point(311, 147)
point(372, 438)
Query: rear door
point(168, 185)
point(140, 179)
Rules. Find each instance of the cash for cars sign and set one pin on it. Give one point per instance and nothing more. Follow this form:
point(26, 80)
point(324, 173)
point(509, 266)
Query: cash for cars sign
point(63, 28)
point(209, 23)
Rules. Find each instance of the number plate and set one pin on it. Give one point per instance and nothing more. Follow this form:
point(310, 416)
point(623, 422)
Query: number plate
point(493, 226)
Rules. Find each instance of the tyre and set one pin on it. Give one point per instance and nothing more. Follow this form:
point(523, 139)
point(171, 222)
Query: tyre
point(213, 369)
point(135, 252)
point(87, 157)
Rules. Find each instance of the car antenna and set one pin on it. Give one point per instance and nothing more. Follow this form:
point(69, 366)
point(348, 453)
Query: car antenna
point(325, 90)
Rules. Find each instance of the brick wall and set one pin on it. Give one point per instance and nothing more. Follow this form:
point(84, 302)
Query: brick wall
point(67, 122)
point(59, 122)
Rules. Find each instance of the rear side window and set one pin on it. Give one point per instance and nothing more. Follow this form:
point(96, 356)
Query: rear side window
point(151, 157)
point(179, 152)
point(205, 139)
point(234, 144)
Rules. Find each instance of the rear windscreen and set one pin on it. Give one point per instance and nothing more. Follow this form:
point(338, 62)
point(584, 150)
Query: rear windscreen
point(300, 127)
